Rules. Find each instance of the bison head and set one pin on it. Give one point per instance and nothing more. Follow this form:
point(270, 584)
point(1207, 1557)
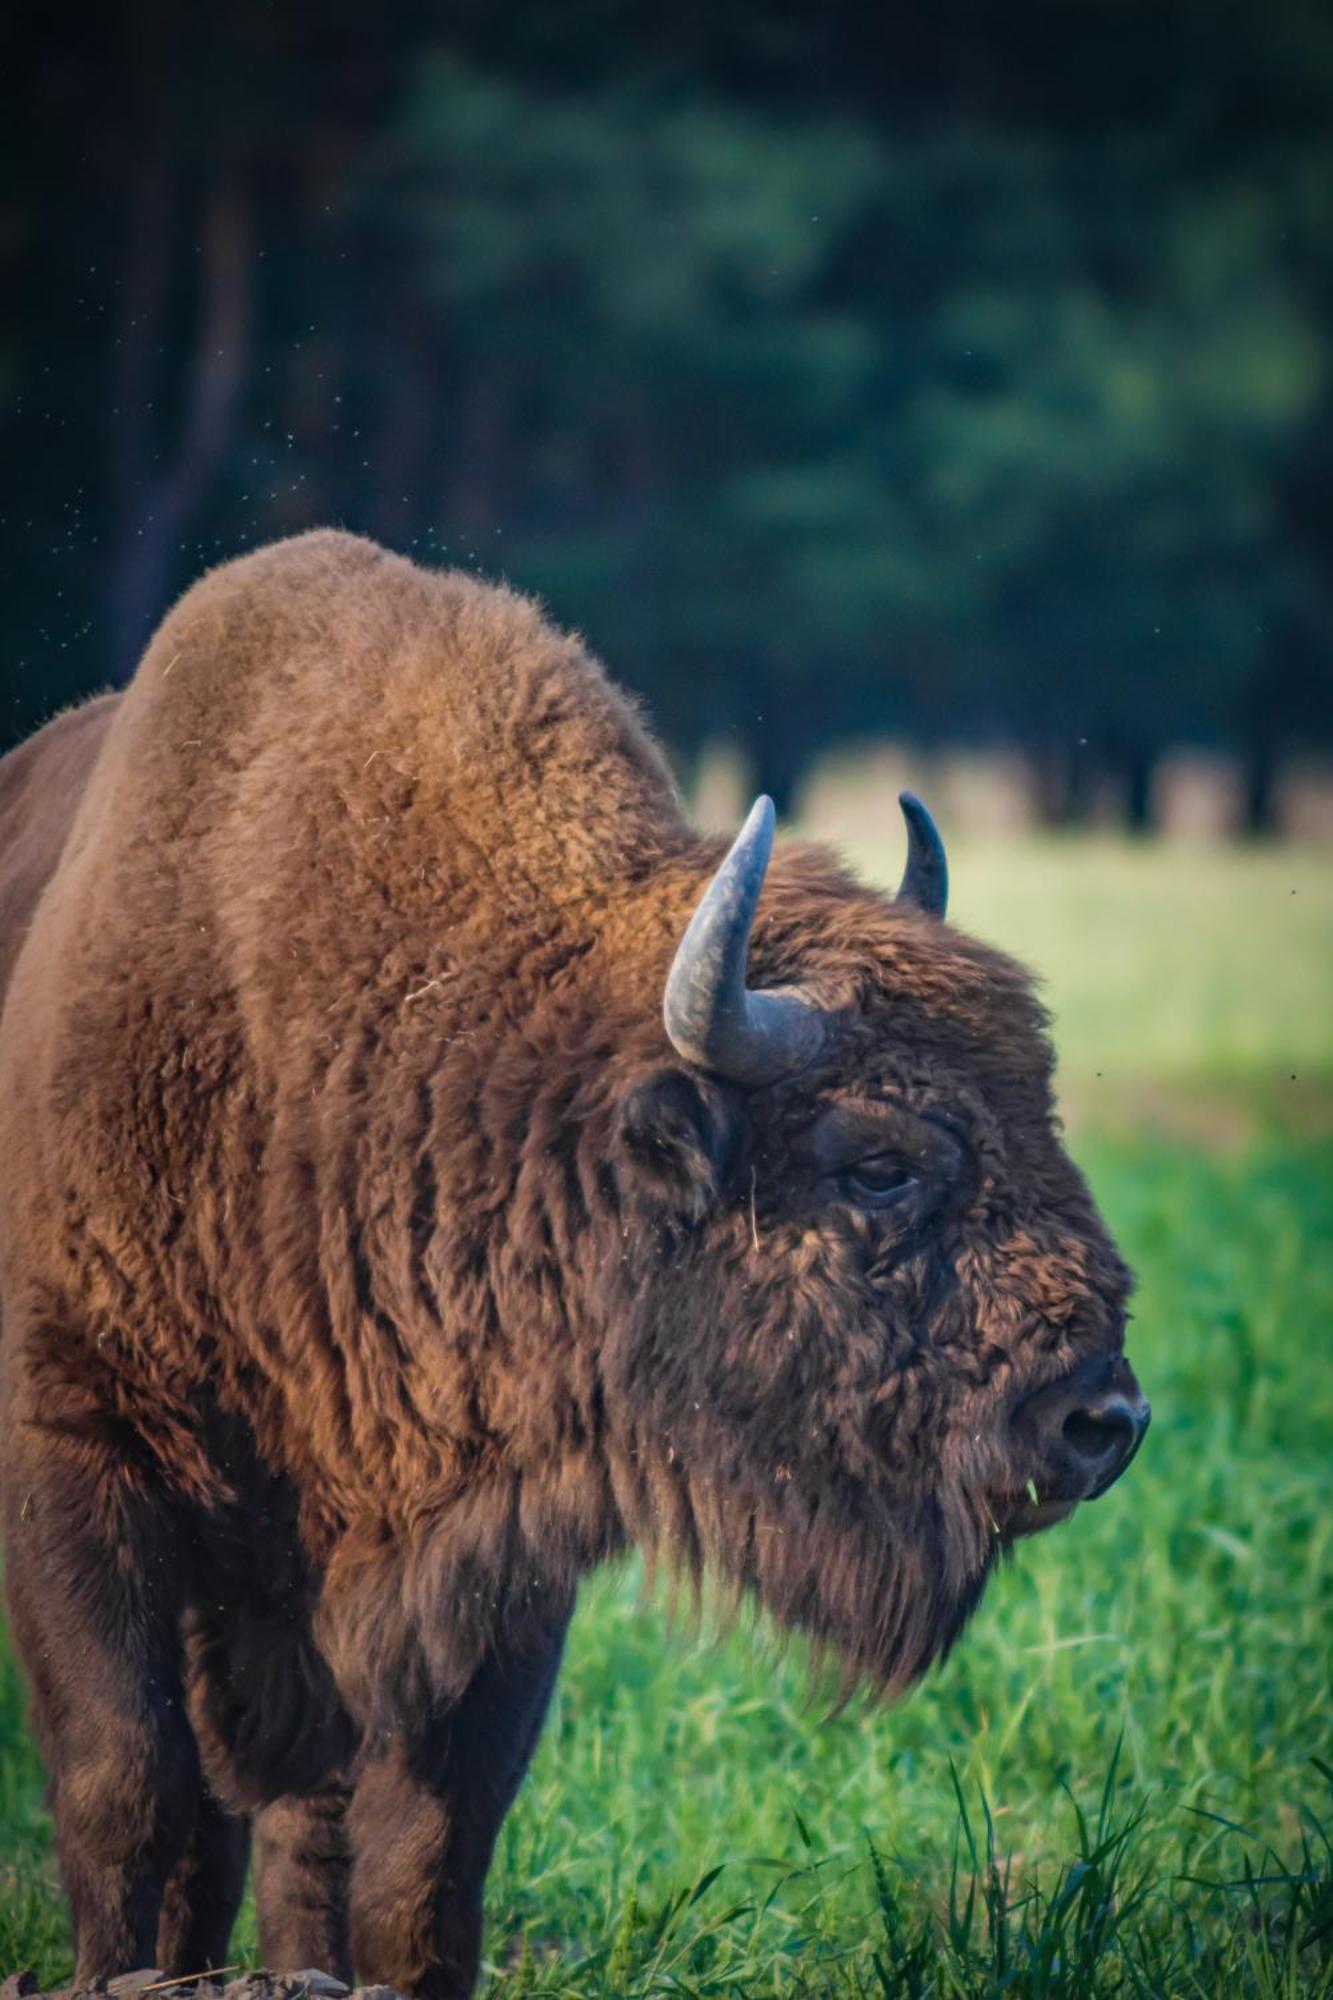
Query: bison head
point(871, 1326)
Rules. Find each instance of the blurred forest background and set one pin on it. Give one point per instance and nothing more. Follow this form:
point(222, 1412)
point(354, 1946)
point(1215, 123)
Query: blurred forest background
point(956, 377)
point(941, 394)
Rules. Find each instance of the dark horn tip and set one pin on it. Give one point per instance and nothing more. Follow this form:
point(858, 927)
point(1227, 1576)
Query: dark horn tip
point(926, 877)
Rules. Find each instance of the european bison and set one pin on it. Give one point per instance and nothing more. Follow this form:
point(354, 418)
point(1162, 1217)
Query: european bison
point(430, 1167)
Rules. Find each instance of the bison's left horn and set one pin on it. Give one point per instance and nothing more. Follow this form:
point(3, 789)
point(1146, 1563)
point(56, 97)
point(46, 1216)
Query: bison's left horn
point(711, 1016)
point(926, 877)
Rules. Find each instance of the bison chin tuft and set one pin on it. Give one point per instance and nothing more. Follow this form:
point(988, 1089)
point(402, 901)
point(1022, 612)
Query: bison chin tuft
point(888, 1595)
point(882, 1587)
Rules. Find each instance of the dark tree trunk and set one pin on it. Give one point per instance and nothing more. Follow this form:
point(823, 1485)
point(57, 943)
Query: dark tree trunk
point(1260, 789)
point(133, 415)
point(781, 752)
point(1053, 773)
point(1138, 792)
point(408, 430)
point(160, 492)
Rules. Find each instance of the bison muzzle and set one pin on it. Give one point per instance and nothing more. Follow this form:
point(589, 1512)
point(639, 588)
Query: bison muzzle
point(429, 1167)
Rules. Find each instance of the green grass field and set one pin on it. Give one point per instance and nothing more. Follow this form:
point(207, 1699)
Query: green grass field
point(1122, 1782)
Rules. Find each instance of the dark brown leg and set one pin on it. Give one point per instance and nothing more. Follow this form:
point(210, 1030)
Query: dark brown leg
point(301, 1872)
point(204, 1892)
point(423, 1821)
point(90, 1575)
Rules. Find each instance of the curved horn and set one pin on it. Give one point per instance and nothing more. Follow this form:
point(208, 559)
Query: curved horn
point(711, 1016)
point(926, 877)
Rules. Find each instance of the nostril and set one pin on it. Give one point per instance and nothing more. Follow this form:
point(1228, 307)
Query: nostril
point(1094, 1437)
point(1082, 1434)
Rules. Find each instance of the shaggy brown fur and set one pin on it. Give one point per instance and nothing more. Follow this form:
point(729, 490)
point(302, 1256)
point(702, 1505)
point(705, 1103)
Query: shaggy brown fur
point(370, 1267)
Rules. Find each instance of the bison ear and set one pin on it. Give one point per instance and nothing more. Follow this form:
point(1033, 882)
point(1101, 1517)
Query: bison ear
point(681, 1133)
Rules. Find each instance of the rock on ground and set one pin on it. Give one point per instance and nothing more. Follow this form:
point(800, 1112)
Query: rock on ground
point(151, 1985)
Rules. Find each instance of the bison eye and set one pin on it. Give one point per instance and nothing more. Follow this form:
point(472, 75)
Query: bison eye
point(878, 1183)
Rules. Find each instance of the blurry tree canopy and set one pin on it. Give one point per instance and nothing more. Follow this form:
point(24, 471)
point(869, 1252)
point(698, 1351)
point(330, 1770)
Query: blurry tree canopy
point(943, 379)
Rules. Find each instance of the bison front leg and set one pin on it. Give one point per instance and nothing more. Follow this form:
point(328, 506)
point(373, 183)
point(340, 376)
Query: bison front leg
point(301, 1882)
point(90, 1573)
point(203, 1892)
point(423, 1820)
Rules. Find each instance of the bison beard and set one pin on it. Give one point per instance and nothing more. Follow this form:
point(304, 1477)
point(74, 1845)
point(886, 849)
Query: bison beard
point(429, 1168)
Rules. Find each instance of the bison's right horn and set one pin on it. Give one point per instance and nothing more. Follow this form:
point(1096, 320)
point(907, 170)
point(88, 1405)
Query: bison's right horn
point(711, 1016)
